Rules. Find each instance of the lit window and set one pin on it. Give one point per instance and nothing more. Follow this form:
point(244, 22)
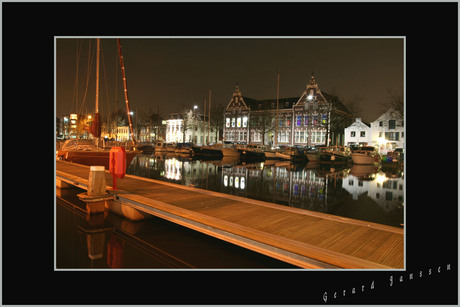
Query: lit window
point(299, 120)
point(238, 122)
point(233, 122)
point(245, 122)
point(227, 122)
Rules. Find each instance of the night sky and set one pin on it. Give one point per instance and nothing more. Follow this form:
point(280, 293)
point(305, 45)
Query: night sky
point(177, 72)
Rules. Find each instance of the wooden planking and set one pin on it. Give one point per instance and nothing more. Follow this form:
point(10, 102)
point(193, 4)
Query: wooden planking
point(339, 241)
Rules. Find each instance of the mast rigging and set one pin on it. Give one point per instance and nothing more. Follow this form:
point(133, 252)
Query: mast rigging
point(126, 90)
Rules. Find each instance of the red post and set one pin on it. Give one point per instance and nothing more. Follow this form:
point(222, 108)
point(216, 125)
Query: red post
point(117, 164)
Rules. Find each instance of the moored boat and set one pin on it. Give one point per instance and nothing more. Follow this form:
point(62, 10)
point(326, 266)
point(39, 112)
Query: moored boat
point(87, 153)
point(251, 151)
point(145, 147)
point(270, 154)
point(160, 146)
point(335, 154)
point(290, 153)
point(366, 155)
point(213, 150)
point(392, 158)
point(183, 148)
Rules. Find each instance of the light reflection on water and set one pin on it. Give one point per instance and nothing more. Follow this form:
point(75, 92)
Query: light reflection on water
point(369, 193)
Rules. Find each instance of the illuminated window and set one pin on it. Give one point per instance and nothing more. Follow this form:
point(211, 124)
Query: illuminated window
point(227, 122)
point(233, 122)
point(238, 122)
point(306, 120)
point(245, 122)
point(299, 120)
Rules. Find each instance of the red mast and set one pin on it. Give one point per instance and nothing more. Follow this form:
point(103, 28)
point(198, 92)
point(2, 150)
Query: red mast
point(126, 90)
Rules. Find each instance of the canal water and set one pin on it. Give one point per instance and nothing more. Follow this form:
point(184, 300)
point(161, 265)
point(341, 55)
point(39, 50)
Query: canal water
point(109, 241)
point(368, 193)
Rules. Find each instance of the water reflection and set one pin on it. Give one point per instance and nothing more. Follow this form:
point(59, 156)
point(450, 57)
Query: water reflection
point(110, 241)
point(369, 193)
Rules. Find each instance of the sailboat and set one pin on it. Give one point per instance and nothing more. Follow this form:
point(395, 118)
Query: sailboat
point(88, 152)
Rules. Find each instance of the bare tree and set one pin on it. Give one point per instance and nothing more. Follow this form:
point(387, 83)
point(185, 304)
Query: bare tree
point(152, 120)
point(354, 106)
point(395, 101)
point(217, 119)
point(264, 122)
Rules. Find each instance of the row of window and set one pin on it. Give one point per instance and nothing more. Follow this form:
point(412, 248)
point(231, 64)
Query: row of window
point(283, 136)
point(389, 136)
point(236, 122)
point(301, 120)
point(391, 124)
point(361, 134)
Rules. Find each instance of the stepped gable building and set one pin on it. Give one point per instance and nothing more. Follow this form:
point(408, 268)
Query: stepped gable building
point(304, 120)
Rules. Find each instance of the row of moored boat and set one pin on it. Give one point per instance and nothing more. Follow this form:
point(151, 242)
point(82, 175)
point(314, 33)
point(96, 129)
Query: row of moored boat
point(333, 154)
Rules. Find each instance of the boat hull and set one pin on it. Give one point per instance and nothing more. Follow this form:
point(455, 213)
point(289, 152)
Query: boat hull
point(270, 155)
point(333, 158)
point(365, 159)
point(230, 152)
point(313, 156)
point(286, 156)
point(283, 156)
point(203, 151)
point(92, 158)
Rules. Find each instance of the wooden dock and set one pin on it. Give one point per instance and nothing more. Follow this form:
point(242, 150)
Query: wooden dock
point(304, 238)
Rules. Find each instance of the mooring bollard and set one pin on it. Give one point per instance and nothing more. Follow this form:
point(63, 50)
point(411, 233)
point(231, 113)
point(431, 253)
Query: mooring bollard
point(96, 182)
point(96, 195)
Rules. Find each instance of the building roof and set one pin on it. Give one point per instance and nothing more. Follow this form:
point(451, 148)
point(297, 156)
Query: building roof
point(312, 93)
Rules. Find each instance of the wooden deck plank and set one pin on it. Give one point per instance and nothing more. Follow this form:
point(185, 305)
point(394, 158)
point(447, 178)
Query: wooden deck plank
point(329, 239)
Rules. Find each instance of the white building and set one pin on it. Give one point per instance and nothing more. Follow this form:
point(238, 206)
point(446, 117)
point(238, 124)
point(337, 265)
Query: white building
point(358, 133)
point(123, 133)
point(196, 129)
point(388, 132)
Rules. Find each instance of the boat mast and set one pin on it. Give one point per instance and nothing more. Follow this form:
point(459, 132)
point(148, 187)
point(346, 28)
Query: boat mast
point(95, 128)
point(97, 74)
point(277, 99)
point(209, 117)
point(126, 90)
point(204, 124)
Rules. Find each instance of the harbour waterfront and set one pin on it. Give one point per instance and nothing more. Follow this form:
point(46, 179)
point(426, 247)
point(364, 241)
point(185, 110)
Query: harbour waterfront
point(368, 193)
